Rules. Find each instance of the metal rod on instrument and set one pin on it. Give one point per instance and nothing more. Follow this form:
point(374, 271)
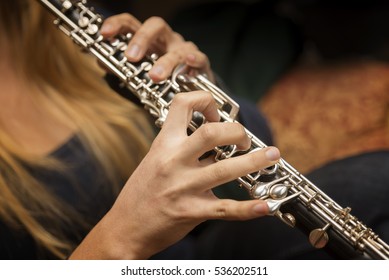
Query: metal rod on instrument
point(281, 186)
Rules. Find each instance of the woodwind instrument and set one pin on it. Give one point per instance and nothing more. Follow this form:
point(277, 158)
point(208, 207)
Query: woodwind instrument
point(290, 196)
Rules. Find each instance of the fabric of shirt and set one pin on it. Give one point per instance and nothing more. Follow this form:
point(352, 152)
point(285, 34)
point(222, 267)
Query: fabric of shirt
point(84, 187)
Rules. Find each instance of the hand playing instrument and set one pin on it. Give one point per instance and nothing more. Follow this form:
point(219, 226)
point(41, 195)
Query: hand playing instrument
point(290, 196)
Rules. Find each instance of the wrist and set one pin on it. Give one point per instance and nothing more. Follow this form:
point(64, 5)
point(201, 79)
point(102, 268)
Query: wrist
point(107, 241)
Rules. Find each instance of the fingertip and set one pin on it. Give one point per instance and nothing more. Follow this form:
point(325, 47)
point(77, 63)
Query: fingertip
point(272, 153)
point(157, 73)
point(190, 59)
point(260, 209)
point(106, 29)
point(195, 61)
point(133, 52)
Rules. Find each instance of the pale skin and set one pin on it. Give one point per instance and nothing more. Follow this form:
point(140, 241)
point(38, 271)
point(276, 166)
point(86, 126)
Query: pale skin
point(156, 36)
point(170, 191)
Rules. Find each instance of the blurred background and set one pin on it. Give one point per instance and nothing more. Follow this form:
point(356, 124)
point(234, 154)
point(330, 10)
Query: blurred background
point(316, 68)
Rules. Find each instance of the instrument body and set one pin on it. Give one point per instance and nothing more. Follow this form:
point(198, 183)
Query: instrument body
point(290, 196)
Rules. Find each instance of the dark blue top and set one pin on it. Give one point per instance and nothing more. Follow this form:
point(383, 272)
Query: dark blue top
point(84, 187)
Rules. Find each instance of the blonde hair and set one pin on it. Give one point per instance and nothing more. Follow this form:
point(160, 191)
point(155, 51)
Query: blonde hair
point(70, 86)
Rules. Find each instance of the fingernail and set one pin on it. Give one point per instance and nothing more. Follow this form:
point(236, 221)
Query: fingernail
point(133, 51)
point(157, 71)
point(261, 208)
point(272, 154)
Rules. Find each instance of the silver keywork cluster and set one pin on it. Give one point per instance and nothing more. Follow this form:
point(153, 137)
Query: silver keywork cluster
point(277, 185)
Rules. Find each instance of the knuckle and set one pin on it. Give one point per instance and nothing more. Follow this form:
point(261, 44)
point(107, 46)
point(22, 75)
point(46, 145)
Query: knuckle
point(180, 99)
point(221, 213)
point(187, 99)
point(120, 19)
point(182, 213)
point(125, 16)
point(228, 211)
point(190, 45)
point(160, 24)
point(165, 167)
point(142, 36)
point(240, 130)
point(206, 97)
point(172, 58)
point(179, 209)
point(207, 132)
point(209, 96)
point(157, 20)
point(177, 37)
point(202, 59)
